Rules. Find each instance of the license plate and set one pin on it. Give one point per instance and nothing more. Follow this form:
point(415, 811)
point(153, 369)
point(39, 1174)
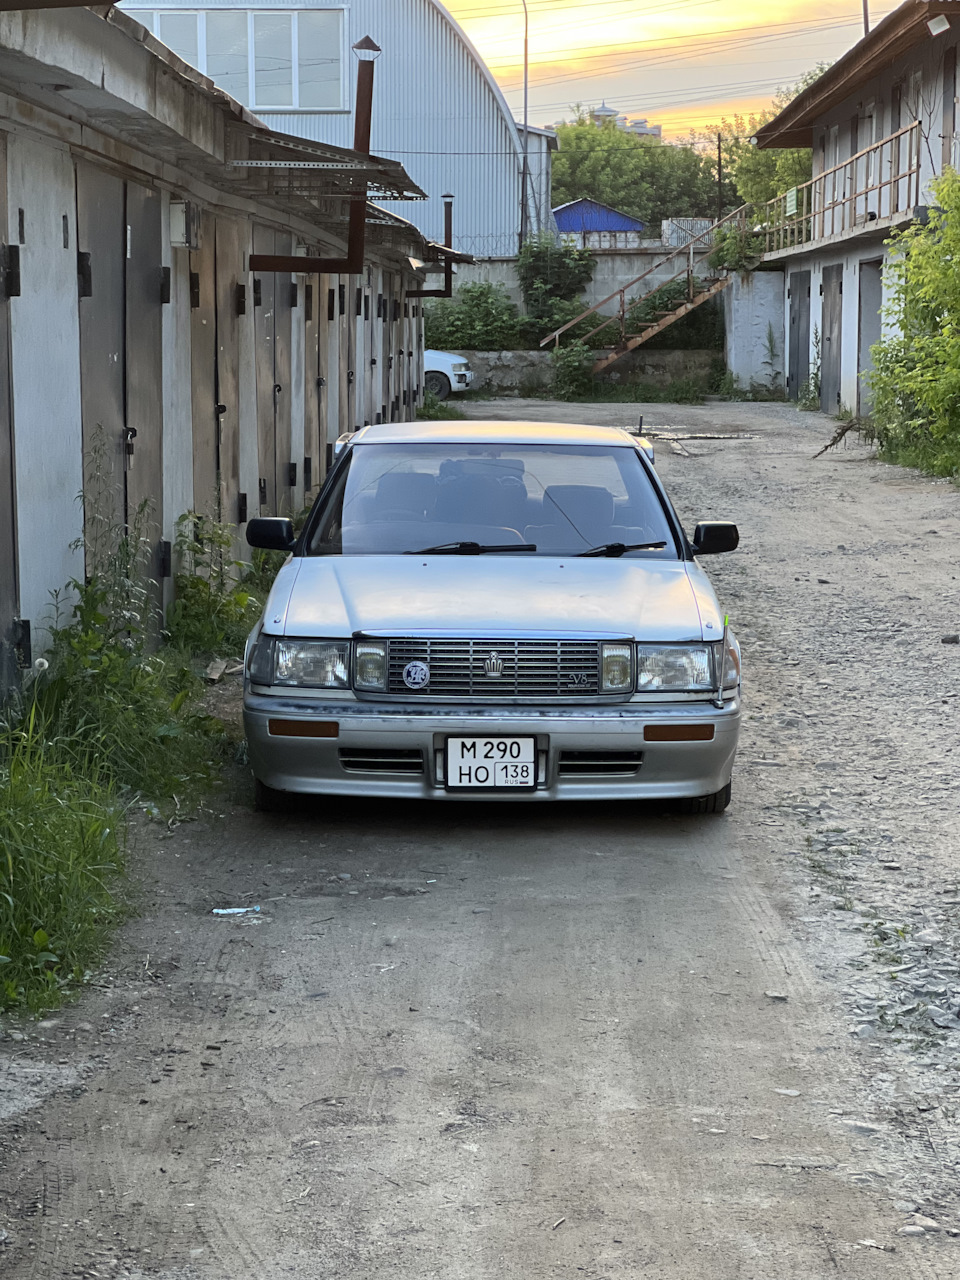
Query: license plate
point(491, 762)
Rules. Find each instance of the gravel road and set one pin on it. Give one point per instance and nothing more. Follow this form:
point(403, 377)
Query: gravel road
point(604, 1041)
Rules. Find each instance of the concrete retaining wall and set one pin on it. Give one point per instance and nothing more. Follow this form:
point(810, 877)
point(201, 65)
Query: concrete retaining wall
point(515, 373)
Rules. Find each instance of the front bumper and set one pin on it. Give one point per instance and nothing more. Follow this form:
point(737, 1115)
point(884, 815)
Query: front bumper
point(584, 753)
point(461, 381)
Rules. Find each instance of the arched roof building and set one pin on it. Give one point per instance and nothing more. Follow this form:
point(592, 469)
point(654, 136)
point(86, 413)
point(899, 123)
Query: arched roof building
point(437, 108)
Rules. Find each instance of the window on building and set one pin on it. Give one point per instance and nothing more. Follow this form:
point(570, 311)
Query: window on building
point(265, 59)
point(228, 52)
point(178, 31)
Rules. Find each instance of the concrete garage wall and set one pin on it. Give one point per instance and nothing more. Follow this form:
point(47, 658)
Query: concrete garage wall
point(515, 373)
point(754, 321)
point(613, 270)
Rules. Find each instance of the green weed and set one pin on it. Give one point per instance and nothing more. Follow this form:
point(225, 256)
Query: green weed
point(61, 861)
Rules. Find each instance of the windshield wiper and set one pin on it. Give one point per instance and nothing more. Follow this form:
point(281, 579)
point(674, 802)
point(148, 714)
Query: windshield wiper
point(470, 548)
point(618, 548)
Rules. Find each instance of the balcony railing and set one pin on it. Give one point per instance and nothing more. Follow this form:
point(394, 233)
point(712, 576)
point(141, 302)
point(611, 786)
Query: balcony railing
point(878, 182)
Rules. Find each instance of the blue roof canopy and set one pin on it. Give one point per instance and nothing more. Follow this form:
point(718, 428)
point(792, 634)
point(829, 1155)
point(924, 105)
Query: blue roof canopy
point(590, 215)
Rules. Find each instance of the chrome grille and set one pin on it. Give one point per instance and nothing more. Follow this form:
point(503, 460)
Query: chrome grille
point(381, 760)
point(527, 668)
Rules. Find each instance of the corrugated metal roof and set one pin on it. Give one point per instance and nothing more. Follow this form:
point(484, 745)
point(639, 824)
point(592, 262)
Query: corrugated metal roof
point(591, 215)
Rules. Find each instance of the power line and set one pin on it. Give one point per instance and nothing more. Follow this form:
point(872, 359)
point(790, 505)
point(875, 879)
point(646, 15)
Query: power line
point(550, 28)
point(735, 34)
point(668, 56)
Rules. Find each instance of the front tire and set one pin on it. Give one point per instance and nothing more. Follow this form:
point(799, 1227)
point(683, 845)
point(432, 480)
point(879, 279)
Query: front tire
point(438, 383)
point(715, 803)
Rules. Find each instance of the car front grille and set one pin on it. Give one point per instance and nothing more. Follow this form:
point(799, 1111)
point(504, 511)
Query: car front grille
point(492, 669)
point(381, 760)
point(580, 764)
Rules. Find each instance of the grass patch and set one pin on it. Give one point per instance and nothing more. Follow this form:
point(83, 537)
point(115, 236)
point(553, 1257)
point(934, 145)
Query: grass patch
point(104, 718)
point(601, 391)
point(61, 862)
point(433, 409)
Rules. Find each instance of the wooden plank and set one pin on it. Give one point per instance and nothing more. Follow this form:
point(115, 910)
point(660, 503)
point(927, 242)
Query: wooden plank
point(281, 371)
point(101, 234)
point(144, 373)
point(229, 271)
point(264, 327)
point(203, 363)
point(9, 594)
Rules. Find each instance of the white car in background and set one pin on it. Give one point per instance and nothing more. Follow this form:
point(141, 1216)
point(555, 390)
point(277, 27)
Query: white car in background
point(444, 372)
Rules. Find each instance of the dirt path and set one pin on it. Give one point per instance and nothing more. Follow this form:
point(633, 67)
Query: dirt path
point(591, 1041)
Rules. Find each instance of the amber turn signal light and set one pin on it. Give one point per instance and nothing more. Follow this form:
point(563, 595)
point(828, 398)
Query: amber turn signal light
point(678, 733)
point(303, 728)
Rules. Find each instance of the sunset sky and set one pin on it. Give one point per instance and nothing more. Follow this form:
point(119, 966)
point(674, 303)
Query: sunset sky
point(680, 63)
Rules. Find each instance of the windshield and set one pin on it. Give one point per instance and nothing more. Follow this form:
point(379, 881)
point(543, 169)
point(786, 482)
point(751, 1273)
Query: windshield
point(533, 499)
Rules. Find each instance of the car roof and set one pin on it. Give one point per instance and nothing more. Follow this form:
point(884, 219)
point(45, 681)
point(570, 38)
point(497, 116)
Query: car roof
point(492, 433)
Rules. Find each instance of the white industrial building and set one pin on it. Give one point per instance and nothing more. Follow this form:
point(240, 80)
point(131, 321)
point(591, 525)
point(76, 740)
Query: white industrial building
point(437, 108)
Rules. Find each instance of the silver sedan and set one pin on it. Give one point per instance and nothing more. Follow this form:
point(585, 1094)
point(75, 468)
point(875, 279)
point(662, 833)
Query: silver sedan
point(493, 611)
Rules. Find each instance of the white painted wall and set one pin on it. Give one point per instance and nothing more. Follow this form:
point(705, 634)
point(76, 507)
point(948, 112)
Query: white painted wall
point(753, 314)
point(45, 360)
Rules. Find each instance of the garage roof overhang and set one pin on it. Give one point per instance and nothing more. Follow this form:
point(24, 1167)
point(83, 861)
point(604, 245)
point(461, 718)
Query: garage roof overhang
point(100, 70)
point(897, 33)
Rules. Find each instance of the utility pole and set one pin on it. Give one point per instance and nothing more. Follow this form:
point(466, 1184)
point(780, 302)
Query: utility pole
point(866, 17)
point(720, 175)
point(524, 176)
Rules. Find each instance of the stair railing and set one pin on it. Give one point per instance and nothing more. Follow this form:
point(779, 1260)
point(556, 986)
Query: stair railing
point(738, 217)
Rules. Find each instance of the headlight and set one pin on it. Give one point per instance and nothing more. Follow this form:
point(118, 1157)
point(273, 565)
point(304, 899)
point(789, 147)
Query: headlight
point(616, 668)
point(370, 665)
point(675, 668)
point(321, 664)
point(461, 367)
point(318, 664)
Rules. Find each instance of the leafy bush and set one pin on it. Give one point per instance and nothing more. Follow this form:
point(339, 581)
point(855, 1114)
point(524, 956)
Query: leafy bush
point(735, 249)
point(213, 611)
point(480, 317)
point(550, 269)
point(127, 706)
point(572, 371)
point(916, 377)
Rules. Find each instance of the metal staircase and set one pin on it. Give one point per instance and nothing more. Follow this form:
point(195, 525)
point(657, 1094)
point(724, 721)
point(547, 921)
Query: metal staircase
point(699, 290)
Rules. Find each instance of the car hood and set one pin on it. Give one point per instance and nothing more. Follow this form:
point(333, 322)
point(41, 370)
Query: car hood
point(492, 595)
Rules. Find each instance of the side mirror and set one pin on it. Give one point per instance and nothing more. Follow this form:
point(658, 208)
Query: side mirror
point(715, 536)
point(272, 533)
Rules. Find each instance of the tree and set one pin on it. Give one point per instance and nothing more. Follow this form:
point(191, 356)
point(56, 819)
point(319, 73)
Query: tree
point(755, 176)
point(638, 175)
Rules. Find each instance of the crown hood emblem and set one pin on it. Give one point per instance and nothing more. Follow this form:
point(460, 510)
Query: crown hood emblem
point(493, 667)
